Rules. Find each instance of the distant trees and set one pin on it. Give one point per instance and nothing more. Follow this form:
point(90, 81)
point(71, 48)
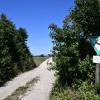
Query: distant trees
point(72, 53)
point(42, 55)
point(15, 56)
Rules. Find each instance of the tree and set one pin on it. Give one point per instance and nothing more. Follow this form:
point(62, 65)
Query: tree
point(86, 15)
point(65, 51)
point(15, 56)
point(26, 58)
point(7, 57)
point(72, 52)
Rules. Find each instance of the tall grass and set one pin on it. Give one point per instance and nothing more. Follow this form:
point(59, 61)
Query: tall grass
point(85, 91)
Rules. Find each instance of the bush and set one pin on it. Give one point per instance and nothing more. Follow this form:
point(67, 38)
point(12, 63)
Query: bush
point(69, 65)
point(87, 92)
point(86, 69)
point(97, 88)
point(15, 56)
point(84, 91)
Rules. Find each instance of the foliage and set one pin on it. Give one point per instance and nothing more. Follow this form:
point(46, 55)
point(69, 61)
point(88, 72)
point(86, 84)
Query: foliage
point(69, 66)
point(65, 51)
point(86, 15)
point(71, 50)
point(15, 56)
point(97, 88)
point(25, 58)
point(85, 91)
point(73, 53)
point(86, 69)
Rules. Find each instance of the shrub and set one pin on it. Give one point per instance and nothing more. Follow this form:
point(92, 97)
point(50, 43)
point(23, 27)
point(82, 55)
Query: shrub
point(15, 56)
point(97, 88)
point(84, 91)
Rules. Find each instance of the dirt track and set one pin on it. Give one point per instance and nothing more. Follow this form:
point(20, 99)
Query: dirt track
point(41, 89)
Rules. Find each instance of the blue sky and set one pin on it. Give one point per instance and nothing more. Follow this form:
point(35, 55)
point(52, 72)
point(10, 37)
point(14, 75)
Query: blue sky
point(35, 16)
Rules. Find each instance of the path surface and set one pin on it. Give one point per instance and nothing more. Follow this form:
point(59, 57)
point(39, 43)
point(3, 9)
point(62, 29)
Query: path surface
point(40, 91)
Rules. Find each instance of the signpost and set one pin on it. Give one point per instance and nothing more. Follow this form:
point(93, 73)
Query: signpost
point(96, 59)
point(95, 42)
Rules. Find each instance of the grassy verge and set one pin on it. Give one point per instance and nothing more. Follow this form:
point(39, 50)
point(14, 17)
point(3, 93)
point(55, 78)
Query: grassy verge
point(20, 92)
point(39, 60)
point(84, 92)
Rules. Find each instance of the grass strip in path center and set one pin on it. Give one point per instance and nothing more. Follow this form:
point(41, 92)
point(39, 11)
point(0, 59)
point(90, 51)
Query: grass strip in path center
point(20, 92)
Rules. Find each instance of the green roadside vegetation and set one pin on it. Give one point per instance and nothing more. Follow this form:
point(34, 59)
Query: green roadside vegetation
point(38, 60)
point(73, 54)
point(84, 91)
point(15, 56)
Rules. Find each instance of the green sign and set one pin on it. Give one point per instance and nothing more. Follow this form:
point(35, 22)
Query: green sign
point(95, 42)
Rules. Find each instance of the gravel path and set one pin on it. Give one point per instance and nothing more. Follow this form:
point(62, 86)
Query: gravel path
point(40, 91)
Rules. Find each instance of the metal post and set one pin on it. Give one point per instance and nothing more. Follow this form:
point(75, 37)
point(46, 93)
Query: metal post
point(97, 73)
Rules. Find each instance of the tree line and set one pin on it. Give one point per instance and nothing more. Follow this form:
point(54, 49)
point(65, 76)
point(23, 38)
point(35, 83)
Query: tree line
point(15, 56)
point(72, 52)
